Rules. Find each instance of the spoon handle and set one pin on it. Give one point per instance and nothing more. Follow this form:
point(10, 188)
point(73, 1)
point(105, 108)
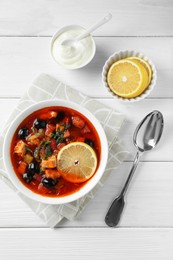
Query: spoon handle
point(102, 21)
point(135, 164)
point(114, 213)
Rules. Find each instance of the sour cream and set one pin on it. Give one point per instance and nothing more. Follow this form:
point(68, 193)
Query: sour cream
point(76, 55)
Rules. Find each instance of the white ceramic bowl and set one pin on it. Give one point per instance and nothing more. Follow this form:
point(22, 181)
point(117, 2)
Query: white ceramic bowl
point(88, 186)
point(122, 55)
point(64, 29)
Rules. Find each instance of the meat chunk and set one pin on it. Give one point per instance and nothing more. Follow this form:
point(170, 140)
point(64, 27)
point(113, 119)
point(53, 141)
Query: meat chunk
point(78, 121)
point(54, 174)
point(20, 148)
point(48, 115)
point(50, 162)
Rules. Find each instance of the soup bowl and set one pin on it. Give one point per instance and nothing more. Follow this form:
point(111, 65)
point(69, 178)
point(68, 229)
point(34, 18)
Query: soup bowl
point(88, 185)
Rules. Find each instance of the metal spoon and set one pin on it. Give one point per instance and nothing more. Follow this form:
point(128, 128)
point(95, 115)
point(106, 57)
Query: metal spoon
point(146, 137)
point(102, 21)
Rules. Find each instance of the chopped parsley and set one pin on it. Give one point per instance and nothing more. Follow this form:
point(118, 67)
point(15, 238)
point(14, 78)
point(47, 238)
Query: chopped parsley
point(28, 149)
point(48, 151)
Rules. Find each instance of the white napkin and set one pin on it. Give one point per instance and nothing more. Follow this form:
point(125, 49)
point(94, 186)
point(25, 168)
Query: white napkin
point(45, 87)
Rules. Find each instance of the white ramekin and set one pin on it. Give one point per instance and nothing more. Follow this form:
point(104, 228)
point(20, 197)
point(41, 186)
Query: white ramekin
point(60, 32)
point(122, 55)
point(90, 183)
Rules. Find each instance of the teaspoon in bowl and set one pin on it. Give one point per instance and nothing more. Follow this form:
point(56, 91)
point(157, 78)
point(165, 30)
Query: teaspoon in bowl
point(145, 138)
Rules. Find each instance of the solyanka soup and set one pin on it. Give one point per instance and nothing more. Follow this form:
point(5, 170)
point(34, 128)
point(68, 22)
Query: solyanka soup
point(38, 142)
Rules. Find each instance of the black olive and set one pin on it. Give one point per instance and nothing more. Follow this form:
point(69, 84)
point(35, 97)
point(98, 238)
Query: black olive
point(49, 182)
point(38, 123)
point(60, 115)
point(57, 119)
point(33, 168)
point(28, 177)
point(23, 132)
point(89, 142)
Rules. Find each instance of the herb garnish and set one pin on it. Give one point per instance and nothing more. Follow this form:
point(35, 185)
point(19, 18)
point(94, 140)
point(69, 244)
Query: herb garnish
point(59, 134)
point(48, 151)
point(28, 149)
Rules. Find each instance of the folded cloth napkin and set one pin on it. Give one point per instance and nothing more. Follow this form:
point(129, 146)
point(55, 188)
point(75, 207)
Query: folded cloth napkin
point(45, 87)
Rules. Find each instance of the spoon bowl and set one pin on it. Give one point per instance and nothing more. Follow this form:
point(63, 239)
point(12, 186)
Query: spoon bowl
point(149, 131)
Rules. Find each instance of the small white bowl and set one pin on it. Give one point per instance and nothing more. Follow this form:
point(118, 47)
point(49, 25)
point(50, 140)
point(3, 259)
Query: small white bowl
point(90, 183)
point(122, 55)
point(62, 30)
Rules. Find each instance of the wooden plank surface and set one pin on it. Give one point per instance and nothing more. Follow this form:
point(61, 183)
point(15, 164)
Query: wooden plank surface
point(149, 201)
point(87, 244)
point(26, 28)
point(22, 59)
point(44, 17)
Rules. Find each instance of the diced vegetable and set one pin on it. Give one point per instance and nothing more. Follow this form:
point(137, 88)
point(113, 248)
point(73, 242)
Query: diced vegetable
point(80, 139)
point(66, 133)
point(22, 167)
point(60, 127)
point(50, 162)
point(60, 146)
point(28, 158)
point(38, 177)
point(33, 139)
point(53, 144)
point(54, 174)
point(20, 148)
point(78, 121)
point(49, 129)
point(85, 130)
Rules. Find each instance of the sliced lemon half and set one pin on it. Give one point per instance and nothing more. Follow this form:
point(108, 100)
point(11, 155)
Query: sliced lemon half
point(127, 78)
point(145, 64)
point(77, 162)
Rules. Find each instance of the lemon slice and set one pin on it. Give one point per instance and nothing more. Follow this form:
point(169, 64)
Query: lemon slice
point(127, 78)
point(77, 162)
point(145, 64)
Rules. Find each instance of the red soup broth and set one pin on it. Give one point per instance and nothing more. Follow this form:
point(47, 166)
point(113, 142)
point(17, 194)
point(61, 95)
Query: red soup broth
point(33, 141)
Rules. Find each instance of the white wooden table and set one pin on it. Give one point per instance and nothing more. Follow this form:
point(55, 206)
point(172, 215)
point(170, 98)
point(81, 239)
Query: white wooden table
point(146, 227)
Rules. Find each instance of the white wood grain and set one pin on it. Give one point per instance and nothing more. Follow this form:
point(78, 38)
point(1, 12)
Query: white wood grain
point(99, 244)
point(44, 17)
point(149, 201)
point(21, 59)
point(150, 197)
